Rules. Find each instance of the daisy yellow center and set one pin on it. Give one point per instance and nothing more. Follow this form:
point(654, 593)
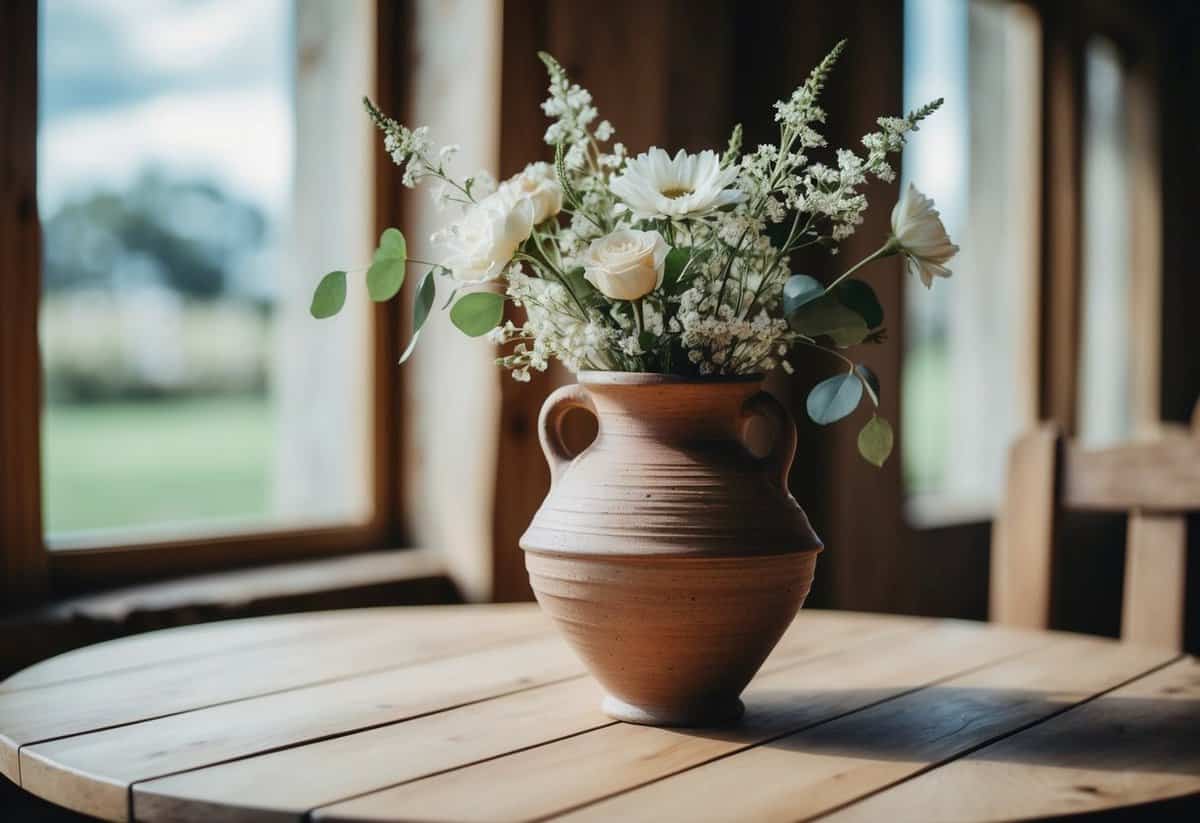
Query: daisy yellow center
point(675, 193)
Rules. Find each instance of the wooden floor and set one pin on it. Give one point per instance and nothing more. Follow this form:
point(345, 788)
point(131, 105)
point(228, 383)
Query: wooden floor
point(483, 714)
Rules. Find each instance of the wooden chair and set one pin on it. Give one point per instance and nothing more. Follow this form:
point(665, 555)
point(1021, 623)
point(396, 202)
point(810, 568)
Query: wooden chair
point(1157, 482)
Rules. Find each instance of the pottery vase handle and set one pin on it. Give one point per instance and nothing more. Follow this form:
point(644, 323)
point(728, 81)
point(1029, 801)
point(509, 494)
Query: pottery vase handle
point(561, 401)
point(779, 460)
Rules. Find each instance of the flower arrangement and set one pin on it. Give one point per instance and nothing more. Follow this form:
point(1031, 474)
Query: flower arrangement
point(673, 264)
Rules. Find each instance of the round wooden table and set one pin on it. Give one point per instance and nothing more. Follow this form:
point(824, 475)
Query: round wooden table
point(481, 713)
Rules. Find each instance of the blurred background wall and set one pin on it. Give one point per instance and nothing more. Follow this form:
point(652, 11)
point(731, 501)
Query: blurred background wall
point(200, 165)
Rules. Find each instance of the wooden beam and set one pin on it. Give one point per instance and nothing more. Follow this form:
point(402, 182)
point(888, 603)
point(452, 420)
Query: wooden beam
point(1061, 249)
point(1145, 240)
point(1158, 476)
point(600, 47)
point(391, 320)
point(22, 553)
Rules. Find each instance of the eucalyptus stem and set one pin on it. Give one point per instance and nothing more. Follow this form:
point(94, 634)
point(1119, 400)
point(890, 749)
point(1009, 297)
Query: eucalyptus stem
point(886, 250)
point(812, 344)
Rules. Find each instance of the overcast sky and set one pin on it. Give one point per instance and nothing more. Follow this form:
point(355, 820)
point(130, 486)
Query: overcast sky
point(199, 88)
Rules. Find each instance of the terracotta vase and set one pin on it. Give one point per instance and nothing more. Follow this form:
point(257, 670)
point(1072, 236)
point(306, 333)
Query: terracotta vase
point(670, 556)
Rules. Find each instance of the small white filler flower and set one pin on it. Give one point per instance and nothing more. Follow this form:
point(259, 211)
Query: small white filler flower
point(654, 184)
point(919, 235)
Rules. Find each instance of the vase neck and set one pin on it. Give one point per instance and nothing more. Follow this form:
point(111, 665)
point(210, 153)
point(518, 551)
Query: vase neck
point(673, 410)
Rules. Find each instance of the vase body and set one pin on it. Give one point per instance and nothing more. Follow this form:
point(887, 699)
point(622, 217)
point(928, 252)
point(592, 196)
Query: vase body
point(670, 556)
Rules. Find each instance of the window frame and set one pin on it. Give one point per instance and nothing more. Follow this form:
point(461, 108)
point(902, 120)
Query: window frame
point(33, 572)
point(1054, 313)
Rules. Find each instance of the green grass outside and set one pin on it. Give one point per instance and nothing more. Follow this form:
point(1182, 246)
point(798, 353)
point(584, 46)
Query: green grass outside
point(135, 464)
point(154, 463)
point(926, 416)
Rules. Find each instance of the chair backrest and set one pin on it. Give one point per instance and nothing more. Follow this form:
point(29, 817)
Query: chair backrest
point(1156, 482)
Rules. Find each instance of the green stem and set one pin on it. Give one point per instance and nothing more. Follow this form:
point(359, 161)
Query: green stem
point(887, 249)
point(638, 322)
point(853, 369)
point(545, 267)
point(812, 344)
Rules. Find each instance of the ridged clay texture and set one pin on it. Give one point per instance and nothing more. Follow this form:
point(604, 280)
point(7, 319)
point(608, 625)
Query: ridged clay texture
point(669, 555)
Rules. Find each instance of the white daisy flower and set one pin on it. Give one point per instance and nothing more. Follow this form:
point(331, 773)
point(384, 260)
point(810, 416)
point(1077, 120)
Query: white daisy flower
point(656, 185)
point(918, 234)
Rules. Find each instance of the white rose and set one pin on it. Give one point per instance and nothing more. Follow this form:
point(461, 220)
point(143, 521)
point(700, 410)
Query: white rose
point(482, 243)
point(539, 185)
point(919, 235)
point(627, 264)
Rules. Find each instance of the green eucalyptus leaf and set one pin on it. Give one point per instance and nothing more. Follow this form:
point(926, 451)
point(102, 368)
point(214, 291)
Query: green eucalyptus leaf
point(384, 279)
point(872, 381)
point(832, 399)
point(799, 291)
point(386, 274)
point(875, 440)
point(392, 244)
point(477, 313)
point(329, 296)
point(826, 316)
point(858, 296)
point(422, 305)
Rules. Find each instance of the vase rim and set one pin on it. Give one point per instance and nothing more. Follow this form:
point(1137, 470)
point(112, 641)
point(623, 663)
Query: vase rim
point(644, 378)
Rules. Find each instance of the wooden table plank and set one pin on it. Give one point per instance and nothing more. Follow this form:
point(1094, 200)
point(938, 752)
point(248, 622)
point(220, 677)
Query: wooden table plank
point(191, 642)
point(368, 644)
point(479, 714)
point(69, 768)
point(1135, 744)
point(814, 771)
point(249, 789)
point(591, 766)
point(393, 754)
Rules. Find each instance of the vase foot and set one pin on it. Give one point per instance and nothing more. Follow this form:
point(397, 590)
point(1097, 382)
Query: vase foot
point(716, 714)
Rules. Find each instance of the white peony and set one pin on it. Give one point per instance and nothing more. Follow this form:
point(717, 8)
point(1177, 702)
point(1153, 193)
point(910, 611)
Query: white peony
point(918, 234)
point(539, 184)
point(627, 264)
point(481, 244)
point(656, 185)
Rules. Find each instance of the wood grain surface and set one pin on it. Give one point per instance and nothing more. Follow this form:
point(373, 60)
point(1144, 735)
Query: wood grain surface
point(481, 713)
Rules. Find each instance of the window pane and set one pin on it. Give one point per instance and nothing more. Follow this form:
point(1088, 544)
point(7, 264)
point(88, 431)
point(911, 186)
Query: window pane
point(1105, 398)
point(967, 386)
point(175, 184)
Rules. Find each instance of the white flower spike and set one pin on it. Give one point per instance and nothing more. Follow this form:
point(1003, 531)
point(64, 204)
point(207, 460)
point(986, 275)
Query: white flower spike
point(919, 235)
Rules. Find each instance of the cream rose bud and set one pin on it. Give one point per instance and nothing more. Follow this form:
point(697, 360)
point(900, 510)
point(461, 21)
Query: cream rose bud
point(627, 264)
point(481, 244)
point(539, 185)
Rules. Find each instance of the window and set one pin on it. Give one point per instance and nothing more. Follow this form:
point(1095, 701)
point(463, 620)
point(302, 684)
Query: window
point(192, 183)
point(1121, 231)
point(969, 371)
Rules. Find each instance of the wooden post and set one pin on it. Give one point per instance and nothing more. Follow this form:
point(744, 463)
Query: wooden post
point(22, 552)
point(1062, 189)
point(1023, 533)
